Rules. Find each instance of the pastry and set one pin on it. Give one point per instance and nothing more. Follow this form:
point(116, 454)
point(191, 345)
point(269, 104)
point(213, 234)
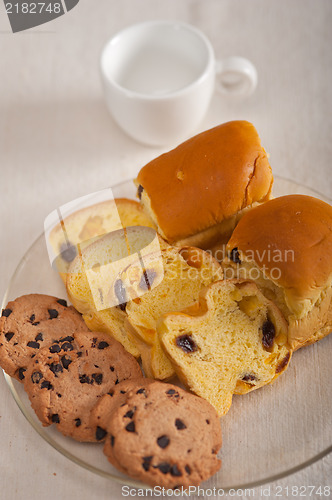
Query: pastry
point(162, 435)
point(196, 193)
point(65, 381)
point(232, 341)
point(285, 246)
point(30, 323)
point(95, 282)
point(186, 271)
point(83, 226)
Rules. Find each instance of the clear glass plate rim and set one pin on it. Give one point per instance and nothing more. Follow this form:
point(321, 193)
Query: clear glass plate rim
point(127, 481)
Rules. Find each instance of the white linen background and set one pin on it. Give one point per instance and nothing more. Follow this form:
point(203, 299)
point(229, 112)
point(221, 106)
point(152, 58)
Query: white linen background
point(57, 142)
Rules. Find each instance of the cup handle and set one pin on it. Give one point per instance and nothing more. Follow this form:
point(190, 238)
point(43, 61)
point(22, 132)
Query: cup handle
point(236, 76)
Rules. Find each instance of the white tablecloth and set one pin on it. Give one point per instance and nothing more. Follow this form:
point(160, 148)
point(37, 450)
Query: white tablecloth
point(57, 142)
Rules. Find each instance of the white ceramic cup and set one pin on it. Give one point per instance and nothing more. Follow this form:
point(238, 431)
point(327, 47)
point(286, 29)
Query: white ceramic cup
point(159, 77)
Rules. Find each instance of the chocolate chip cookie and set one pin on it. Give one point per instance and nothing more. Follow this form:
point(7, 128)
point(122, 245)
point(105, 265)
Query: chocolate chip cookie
point(65, 380)
point(30, 323)
point(162, 435)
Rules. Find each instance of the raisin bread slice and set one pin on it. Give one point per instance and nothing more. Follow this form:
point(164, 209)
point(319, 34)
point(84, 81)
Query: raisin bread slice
point(186, 271)
point(79, 228)
point(232, 341)
point(96, 284)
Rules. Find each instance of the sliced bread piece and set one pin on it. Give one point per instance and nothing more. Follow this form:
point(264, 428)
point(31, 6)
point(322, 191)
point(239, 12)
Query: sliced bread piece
point(186, 271)
point(232, 341)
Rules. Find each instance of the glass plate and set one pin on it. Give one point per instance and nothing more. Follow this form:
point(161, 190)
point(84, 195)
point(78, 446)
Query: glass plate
point(267, 434)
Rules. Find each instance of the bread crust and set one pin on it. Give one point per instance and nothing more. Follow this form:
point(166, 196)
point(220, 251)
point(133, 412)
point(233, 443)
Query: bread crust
point(299, 228)
point(206, 180)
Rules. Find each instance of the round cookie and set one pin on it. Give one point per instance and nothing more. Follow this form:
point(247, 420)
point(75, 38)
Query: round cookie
point(30, 323)
point(65, 381)
point(163, 435)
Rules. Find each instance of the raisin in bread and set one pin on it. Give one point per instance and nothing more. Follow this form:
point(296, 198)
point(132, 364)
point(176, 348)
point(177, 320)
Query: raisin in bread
point(96, 284)
point(290, 259)
point(80, 227)
point(186, 271)
point(232, 341)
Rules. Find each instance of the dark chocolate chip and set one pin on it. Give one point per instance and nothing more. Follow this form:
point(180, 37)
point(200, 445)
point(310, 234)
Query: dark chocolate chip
point(6, 312)
point(62, 302)
point(175, 471)
point(39, 337)
point(69, 338)
point(36, 377)
point(46, 385)
point(186, 343)
point(98, 378)
point(103, 345)
point(130, 413)
point(171, 392)
point(68, 252)
point(111, 393)
point(53, 313)
point(21, 373)
point(117, 382)
point(100, 433)
point(188, 469)
point(235, 256)
point(15, 343)
point(140, 190)
point(164, 467)
point(85, 379)
point(130, 427)
point(268, 330)
point(65, 362)
point(9, 336)
point(32, 318)
point(207, 421)
point(77, 422)
point(163, 441)
point(79, 354)
point(179, 424)
point(55, 418)
point(283, 363)
point(147, 279)
point(56, 368)
point(121, 294)
point(33, 344)
point(112, 368)
point(112, 438)
point(67, 346)
point(55, 348)
point(147, 462)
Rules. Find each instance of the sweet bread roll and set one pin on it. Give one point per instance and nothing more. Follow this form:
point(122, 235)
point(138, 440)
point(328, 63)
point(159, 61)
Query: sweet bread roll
point(196, 193)
point(232, 341)
point(285, 246)
point(90, 222)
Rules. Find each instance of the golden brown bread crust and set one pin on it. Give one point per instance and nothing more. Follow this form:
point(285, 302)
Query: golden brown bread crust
point(207, 180)
point(290, 240)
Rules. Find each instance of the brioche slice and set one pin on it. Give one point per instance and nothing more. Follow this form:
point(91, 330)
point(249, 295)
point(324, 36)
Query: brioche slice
point(98, 286)
point(196, 193)
point(232, 341)
point(290, 260)
point(83, 225)
point(186, 271)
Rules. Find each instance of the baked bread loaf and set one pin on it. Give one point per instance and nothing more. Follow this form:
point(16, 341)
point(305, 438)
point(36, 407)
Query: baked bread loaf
point(161, 434)
point(285, 246)
point(232, 341)
point(196, 193)
point(96, 284)
point(82, 226)
point(186, 271)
